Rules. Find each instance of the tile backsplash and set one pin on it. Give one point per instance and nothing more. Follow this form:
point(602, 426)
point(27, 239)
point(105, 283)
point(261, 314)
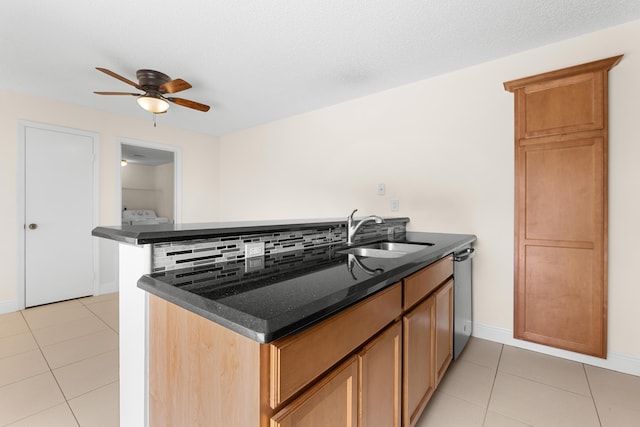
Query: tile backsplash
point(191, 253)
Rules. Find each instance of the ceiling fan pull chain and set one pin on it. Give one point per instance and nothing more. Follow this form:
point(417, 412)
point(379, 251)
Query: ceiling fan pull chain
point(154, 120)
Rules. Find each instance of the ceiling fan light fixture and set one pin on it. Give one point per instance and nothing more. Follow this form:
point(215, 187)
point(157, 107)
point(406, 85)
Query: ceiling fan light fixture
point(153, 104)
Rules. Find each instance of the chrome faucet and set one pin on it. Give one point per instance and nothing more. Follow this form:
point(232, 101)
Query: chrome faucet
point(352, 229)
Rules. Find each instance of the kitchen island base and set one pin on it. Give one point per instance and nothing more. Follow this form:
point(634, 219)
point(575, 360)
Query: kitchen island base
point(344, 371)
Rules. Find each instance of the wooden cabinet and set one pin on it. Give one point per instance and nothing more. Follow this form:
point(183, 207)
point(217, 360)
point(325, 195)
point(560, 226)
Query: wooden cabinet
point(332, 402)
point(302, 359)
point(364, 391)
point(297, 360)
point(200, 373)
point(427, 336)
point(381, 378)
point(561, 126)
point(372, 365)
point(418, 368)
point(443, 329)
point(423, 282)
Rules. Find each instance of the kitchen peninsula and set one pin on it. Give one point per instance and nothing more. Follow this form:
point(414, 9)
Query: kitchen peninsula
point(261, 338)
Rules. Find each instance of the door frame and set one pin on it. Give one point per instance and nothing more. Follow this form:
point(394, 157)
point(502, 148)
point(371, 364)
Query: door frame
point(177, 174)
point(21, 200)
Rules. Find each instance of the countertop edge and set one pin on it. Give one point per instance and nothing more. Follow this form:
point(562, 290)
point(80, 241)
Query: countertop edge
point(139, 235)
point(259, 330)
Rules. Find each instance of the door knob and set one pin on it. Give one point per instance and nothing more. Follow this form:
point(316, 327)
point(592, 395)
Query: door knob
point(33, 226)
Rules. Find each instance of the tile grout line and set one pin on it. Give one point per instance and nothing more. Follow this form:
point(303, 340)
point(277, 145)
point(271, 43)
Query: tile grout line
point(73, 338)
point(593, 399)
point(100, 317)
point(92, 314)
point(549, 385)
point(39, 347)
point(103, 321)
point(493, 384)
point(51, 372)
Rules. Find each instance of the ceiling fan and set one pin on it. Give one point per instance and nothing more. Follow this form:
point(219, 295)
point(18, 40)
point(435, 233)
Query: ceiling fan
point(155, 86)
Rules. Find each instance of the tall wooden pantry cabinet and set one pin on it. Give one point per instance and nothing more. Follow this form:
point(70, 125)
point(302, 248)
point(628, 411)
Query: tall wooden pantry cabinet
point(561, 126)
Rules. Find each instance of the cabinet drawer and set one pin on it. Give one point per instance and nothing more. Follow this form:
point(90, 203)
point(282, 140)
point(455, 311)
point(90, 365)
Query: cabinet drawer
point(332, 402)
point(425, 281)
point(297, 360)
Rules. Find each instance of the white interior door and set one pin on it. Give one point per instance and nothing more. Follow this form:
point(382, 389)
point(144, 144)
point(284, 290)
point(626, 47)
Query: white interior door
point(59, 259)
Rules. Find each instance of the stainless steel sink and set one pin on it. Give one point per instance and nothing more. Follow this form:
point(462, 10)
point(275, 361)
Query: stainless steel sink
point(385, 249)
point(398, 247)
point(373, 253)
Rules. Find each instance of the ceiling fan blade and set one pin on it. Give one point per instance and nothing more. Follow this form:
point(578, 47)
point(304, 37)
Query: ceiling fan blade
point(117, 93)
point(189, 104)
point(174, 86)
point(119, 77)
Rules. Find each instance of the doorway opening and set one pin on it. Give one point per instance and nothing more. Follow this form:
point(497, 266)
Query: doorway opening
point(150, 183)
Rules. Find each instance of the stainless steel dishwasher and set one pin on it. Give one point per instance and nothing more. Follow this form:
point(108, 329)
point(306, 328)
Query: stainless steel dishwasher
point(462, 298)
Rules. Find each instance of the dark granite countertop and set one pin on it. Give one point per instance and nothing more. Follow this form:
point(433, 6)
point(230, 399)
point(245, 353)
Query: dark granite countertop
point(268, 298)
point(139, 235)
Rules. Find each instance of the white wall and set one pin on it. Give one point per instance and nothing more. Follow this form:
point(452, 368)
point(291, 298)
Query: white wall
point(200, 179)
point(163, 180)
point(138, 187)
point(148, 187)
point(444, 149)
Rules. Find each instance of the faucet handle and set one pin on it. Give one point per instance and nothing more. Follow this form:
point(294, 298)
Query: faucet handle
point(354, 211)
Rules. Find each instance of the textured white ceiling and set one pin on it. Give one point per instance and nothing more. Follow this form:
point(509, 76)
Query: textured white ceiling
point(255, 61)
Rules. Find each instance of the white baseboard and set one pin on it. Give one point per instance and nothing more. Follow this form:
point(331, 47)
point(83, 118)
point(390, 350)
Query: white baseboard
point(8, 306)
point(615, 361)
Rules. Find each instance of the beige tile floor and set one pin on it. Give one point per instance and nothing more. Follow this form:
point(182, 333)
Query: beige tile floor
point(59, 364)
point(59, 367)
point(495, 385)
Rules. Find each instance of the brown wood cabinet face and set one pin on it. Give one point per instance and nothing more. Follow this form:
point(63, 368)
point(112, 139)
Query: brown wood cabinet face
point(297, 360)
point(561, 127)
point(563, 189)
point(418, 357)
point(380, 379)
point(194, 377)
point(560, 285)
point(332, 402)
point(363, 366)
point(444, 329)
point(564, 105)
point(423, 282)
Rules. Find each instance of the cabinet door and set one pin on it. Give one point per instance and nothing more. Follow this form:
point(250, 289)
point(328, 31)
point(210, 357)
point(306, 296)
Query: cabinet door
point(332, 402)
point(444, 329)
point(561, 175)
point(380, 373)
point(299, 359)
point(561, 291)
point(418, 367)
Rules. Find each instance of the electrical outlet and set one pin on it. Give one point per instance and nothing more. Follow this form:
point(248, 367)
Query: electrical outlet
point(395, 205)
point(381, 189)
point(253, 249)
